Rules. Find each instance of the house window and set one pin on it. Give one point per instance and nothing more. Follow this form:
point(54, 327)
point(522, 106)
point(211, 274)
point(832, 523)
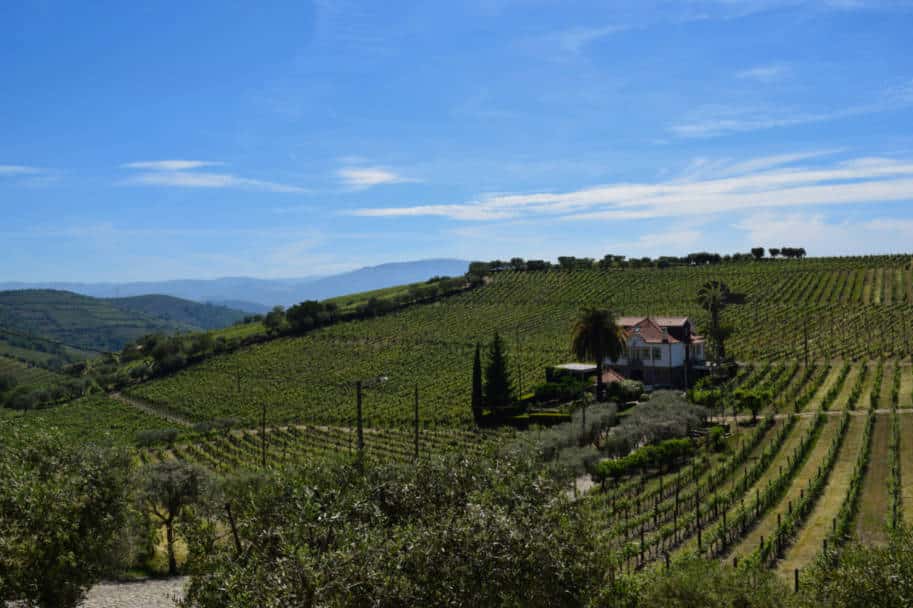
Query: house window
point(657, 354)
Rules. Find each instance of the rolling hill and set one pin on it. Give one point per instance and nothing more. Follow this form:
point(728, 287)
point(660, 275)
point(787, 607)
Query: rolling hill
point(836, 302)
point(49, 327)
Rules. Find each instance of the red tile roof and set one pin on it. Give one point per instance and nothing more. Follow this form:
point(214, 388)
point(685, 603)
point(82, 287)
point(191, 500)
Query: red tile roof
point(610, 375)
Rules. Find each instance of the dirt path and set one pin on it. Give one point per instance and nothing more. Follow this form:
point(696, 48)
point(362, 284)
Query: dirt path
point(159, 593)
point(150, 409)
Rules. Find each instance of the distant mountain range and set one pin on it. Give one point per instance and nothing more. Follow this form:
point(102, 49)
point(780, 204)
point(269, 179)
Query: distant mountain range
point(259, 295)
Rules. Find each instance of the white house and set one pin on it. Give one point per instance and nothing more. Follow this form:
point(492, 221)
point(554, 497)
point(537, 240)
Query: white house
point(660, 350)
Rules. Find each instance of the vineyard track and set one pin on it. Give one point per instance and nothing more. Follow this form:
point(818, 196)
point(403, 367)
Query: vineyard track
point(151, 409)
point(871, 522)
point(884, 401)
point(817, 526)
point(768, 522)
point(867, 386)
point(831, 379)
point(906, 467)
point(691, 544)
point(906, 385)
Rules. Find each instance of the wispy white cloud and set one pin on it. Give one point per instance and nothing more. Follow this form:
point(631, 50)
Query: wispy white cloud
point(17, 170)
point(180, 179)
point(180, 174)
point(366, 177)
point(573, 40)
point(170, 165)
point(773, 181)
point(765, 73)
point(715, 121)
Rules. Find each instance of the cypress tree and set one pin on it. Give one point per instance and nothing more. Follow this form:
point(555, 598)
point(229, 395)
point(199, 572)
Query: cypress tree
point(499, 391)
point(478, 400)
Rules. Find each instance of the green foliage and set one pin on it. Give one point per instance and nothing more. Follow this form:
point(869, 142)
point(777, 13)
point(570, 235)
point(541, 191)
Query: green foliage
point(158, 436)
point(863, 576)
point(751, 400)
point(62, 508)
point(665, 416)
point(478, 396)
point(564, 389)
point(663, 455)
point(169, 490)
point(275, 321)
point(626, 390)
point(499, 388)
point(446, 532)
point(710, 584)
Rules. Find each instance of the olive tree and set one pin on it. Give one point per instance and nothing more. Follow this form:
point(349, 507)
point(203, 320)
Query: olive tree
point(62, 508)
point(169, 490)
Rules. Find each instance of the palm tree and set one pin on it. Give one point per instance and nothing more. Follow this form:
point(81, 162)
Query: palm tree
point(713, 296)
point(595, 337)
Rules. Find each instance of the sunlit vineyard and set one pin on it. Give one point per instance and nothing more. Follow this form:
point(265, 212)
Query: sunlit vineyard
point(235, 451)
point(849, 309)
point(824, 470)
point(96, 418)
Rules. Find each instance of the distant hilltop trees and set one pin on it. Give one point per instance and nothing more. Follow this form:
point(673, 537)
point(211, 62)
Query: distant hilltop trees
point(569, 262)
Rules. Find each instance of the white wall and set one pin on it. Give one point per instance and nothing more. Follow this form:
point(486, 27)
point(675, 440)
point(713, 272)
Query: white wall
point(677, 354)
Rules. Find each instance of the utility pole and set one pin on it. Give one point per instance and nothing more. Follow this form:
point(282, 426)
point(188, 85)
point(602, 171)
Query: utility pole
point(519, 365)
point(263, 434)
point(805, 325)
point(416, 421)
point(361, 437)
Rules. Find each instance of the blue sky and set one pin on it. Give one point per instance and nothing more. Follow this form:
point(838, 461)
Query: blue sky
point(199, 139)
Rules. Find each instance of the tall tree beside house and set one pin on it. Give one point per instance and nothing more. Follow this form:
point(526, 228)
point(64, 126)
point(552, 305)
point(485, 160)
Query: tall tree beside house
point(713, 296)
point(499, 389)
point(595, 337)
point(478, 398)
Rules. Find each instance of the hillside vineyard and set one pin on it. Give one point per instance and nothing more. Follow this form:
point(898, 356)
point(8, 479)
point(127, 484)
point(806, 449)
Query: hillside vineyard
point(833, 309)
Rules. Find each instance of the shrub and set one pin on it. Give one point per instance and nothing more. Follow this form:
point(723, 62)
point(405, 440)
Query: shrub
point(156, 437)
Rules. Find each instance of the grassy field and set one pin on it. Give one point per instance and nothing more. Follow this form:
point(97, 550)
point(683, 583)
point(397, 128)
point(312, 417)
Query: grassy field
point(809, 541)
point(871, 522)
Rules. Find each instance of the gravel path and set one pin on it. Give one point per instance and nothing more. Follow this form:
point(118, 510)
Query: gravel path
point(159, 593)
